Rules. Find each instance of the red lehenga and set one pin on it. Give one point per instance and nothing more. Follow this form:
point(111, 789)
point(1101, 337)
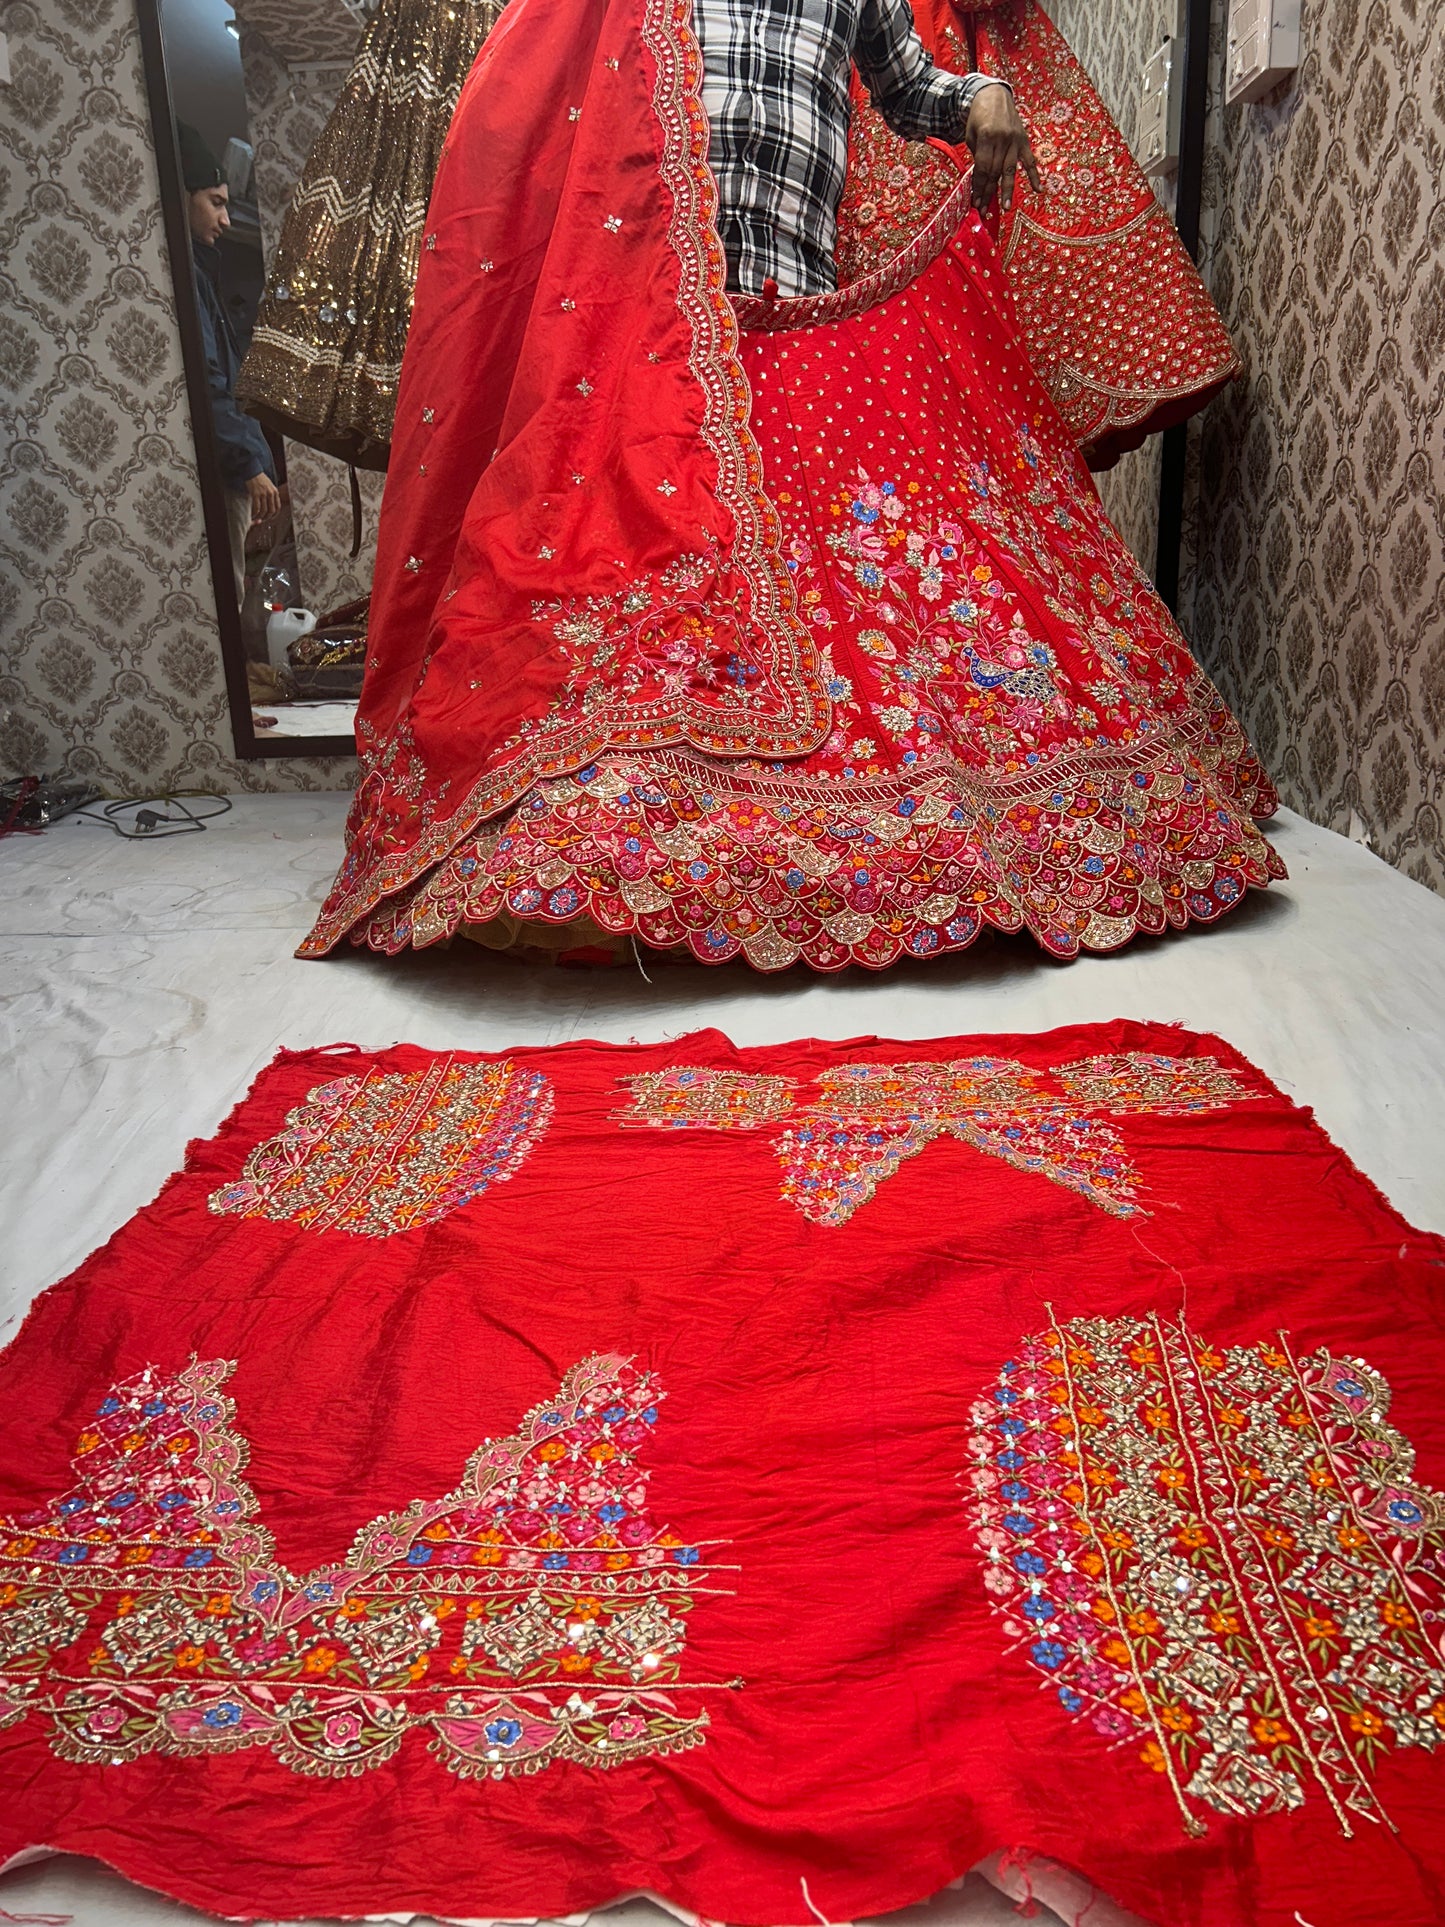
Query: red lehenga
point(1111, 310)
point(786, 629)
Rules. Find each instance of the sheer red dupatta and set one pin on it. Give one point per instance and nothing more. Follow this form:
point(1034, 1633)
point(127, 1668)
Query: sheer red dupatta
point(576, 552)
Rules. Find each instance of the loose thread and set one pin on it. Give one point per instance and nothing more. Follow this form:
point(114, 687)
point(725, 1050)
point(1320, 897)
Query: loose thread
point(1165, 1264)
point(637, 959)
point(816, 1912)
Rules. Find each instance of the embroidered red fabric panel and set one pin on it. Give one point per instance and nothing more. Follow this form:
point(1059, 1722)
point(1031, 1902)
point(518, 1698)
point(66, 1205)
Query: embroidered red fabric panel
point(487, 1486)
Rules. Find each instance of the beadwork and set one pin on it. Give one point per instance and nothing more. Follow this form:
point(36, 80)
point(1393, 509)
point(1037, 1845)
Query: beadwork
point(1216, 1557)
point(394, 1150)
point(537, 1613)
point(866, 1119)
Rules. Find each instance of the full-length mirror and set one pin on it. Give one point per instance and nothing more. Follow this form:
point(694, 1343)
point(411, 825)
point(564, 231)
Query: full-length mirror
point(238, 100)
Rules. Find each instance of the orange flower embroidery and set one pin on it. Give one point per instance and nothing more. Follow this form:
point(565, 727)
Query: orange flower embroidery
point(320, 1661)
point(1271, 1732)
point(1367, 1722)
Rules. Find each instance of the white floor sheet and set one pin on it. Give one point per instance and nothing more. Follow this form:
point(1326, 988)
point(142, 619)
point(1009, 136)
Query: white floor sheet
point(144, 984)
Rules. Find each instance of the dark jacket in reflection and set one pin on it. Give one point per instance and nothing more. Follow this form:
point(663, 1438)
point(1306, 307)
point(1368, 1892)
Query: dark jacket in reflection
point(241, 445)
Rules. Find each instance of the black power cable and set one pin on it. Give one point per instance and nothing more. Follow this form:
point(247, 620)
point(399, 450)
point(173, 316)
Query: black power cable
point(150, 823)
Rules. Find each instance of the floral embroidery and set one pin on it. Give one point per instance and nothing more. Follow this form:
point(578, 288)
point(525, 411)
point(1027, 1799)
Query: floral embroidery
point(690, 1098)
point(394, 1150)
point(537, 1613)
point(1217, 1558)
point(977, 772)
point(866, 1119)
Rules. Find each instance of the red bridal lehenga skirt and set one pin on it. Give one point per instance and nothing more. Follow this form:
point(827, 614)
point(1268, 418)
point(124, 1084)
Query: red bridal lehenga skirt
point(1020, 736)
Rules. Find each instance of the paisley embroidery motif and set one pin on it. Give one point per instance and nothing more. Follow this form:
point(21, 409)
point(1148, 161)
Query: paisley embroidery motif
point(537, 1613)
point(867, 1119)
point(1217, 1558)
point(393, 1150)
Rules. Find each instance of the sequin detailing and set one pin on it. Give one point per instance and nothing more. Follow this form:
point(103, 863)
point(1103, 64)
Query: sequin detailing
point(1218, 1558)
point(865, 1120)
point(537, 1613)
point(1020, 740)
point(393, 1150)
point(326, 353)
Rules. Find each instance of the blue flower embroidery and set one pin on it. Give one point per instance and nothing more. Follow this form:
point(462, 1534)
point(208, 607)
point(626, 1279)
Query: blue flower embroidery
point(1039, 1609)
point(228, 1713)
point(610, 1514)
point(419, 1556)
point(1018, 1523)
point(1069, 1699)
point(1030, 1562)
point(686, 1555)
point(1405, 1512)
point(73, 1555)
point(614, 1415)
point(503, 1732)
point(555, 1561)
point(1047, 1653)
point(202, 1556)
point(264, 1590)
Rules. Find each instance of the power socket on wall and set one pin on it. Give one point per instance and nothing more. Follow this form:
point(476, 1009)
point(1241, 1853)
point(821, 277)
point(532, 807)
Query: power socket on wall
point(1263, 47)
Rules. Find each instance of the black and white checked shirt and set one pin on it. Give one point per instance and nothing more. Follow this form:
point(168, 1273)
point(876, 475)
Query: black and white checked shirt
point(775, 87)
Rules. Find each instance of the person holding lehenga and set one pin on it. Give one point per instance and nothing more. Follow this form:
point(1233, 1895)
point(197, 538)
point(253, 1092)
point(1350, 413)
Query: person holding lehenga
point(1115, 319)
point(724, 605)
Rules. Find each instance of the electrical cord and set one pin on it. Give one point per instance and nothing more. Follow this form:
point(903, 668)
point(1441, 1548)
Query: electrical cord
point(150, 823)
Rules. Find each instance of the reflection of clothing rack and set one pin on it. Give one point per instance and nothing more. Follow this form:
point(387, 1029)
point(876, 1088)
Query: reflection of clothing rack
point(327, 350)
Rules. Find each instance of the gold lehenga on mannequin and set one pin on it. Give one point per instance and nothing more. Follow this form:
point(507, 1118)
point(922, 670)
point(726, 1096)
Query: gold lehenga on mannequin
point(327, 348)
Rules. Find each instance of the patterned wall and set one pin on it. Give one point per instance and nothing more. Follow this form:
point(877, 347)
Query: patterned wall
point(1319, 590)
point(287, 107)
point(109, 660)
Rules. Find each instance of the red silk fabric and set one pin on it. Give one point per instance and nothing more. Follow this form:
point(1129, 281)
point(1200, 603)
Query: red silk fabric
point(1116, 320)
point(603, 553)
point(1020, 737)
point(489, 1486)
point(573, 474)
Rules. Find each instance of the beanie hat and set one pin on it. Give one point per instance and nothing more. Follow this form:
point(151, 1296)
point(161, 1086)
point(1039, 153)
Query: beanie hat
point(199, 167)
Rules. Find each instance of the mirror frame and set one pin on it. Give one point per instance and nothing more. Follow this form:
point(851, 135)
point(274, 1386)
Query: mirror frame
point(1188, 205)
point(251, 744)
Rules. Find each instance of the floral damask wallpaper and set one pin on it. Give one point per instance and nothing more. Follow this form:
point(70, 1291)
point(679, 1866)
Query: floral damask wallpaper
point(1319, 566)
point(109, 660)
point(1314, 578)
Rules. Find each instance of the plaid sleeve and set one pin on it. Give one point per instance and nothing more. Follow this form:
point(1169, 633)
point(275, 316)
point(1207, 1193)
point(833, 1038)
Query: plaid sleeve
point(915, 99)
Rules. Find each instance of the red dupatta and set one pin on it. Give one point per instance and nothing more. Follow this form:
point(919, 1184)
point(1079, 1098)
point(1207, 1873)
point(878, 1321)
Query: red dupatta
point(573, 483)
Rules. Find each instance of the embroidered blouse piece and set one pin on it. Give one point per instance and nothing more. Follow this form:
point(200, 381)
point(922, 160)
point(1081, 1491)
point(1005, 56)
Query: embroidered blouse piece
point(488, 1486)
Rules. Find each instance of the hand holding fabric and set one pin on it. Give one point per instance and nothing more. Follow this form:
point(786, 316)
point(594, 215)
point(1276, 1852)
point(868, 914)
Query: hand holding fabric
point(996, 138)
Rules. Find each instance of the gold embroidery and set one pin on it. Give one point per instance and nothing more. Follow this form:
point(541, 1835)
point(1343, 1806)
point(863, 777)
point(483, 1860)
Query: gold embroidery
point(1217, 1558)
point(393, 1151)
